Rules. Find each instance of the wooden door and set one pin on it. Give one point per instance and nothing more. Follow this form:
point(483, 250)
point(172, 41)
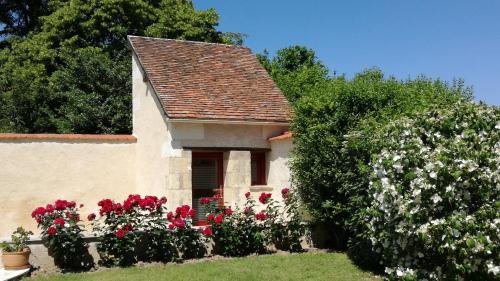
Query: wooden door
point(207, 180)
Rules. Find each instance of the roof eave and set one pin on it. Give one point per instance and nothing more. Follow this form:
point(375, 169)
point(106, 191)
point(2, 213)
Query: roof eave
point(227, 121)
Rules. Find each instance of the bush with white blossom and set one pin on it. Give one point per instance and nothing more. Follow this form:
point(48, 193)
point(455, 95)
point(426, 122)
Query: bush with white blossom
point(435, 188)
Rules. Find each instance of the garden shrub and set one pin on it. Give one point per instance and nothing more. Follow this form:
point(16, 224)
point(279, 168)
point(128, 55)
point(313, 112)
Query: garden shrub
point(241, 232)
point(283, 222)
point(62, 235)
point(330, 170)
point(435, 190)
point(235, 233)
point(189, 241)
point(125, 227)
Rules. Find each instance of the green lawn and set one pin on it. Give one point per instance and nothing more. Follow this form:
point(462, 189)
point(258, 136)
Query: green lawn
point(307, 266)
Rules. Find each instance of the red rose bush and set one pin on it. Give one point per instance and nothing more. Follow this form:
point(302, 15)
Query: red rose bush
point(234, 232)
point(188, 240)
point(137, 221)
point(61, 231)
point(283, 222)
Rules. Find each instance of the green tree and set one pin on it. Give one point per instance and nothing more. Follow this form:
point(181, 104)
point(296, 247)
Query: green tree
point(295, 69)
point(334, 127)
point(72, 72)
point(19, 17)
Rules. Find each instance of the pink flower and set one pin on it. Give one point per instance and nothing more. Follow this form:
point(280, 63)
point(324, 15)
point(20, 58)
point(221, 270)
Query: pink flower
point(228, 211)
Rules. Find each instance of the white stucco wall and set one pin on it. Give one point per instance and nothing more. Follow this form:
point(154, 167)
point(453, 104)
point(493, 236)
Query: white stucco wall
point(36, 172)
point(278, 171)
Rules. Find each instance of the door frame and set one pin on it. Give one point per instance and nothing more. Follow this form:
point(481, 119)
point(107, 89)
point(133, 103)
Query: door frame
point(218, 156)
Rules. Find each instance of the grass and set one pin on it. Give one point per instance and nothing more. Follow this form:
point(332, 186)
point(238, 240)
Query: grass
point(306, 266)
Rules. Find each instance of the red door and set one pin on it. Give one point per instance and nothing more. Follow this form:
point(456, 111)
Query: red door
point(207, 180)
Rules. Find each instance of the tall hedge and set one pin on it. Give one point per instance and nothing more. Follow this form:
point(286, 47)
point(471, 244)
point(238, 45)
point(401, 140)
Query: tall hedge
point(436, 188)
point(333, 127)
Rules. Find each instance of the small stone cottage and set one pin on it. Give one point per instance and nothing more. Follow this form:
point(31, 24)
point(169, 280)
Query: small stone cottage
point(207, 119)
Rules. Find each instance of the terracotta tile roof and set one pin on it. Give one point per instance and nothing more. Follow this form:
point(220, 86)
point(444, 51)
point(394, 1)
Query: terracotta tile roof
point(68, 137)
point(283, 136)
point(196, 80)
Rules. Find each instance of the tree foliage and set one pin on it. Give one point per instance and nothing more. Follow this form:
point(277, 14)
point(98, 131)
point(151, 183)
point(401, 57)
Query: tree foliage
point(334, 126)
point(70, 72)
point(295, 69)
point(19, 17)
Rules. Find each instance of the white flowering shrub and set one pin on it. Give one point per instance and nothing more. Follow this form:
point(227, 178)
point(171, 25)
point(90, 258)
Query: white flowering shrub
point(435, 188)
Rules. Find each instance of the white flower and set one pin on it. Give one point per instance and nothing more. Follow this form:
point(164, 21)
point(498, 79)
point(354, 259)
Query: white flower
point(398, 168)
point(493, 268)
point(429, 166)
point(436, 198)
point(433, 175)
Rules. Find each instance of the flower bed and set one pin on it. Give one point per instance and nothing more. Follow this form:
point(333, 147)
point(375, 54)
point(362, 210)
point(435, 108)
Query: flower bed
point(142, 229)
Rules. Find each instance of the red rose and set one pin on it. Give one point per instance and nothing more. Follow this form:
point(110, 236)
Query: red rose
point(210, 217)
point(81, 205)
point(59, 221)
point(163, 200)
point(107, 206)
point(228, 211)
point(120, 233)
point(264, 197)
point(118, 208)
point(70, 204)
point(171, 226)
point(261, 216)
point(51, 231)
point(285, 192)
point(127, 227)
point(205, 200)
point(170, 216)
point(218, 219)
point(50, 208)
point(247, 195)
point(60, 204)
point(192, 213)
point(91, 217)
point(207, 231)
point(180, 223)
point(40, 211)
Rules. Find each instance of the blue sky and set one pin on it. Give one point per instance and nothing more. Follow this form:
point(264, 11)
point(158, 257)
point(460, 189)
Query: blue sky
point(440, 39)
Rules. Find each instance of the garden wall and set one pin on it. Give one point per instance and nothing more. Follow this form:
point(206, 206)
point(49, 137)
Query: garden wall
point(37, 169)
